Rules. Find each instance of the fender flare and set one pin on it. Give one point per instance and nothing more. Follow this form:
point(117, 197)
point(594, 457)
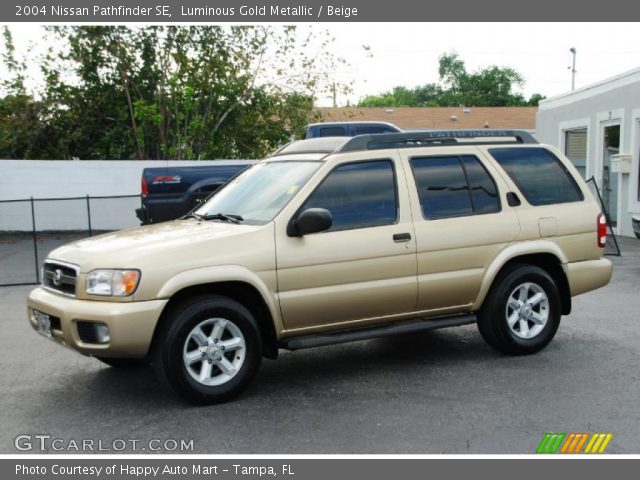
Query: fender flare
point(220, 274)
point(510, 252)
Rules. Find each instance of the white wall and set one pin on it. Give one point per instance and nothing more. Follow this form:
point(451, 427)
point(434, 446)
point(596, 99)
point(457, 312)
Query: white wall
point(22, 179)
point(615, 101)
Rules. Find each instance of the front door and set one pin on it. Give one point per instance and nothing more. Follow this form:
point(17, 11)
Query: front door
point(361, 269)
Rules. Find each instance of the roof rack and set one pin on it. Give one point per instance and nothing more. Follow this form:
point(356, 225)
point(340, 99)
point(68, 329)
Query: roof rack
point(436, 138)
point(429, 138)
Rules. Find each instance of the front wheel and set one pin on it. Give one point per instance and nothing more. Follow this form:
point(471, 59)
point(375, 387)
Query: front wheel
point(521, 313)
point(208, 349)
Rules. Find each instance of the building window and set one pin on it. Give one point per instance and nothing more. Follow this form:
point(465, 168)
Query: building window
point(575, 148)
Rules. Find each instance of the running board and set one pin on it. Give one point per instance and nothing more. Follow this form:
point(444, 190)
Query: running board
point(319, 340)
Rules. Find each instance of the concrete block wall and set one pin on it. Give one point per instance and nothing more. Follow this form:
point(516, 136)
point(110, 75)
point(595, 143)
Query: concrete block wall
point(22, 179)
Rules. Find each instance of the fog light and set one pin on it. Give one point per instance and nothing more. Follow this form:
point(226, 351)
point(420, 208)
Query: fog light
point(102, 333)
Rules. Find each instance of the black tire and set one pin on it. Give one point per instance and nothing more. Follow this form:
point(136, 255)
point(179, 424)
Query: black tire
point(170, 340)
point(123, 363)
point(492, 318)
point(637, 235)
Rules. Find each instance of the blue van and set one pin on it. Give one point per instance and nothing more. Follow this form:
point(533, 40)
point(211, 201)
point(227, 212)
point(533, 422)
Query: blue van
point(348, 129)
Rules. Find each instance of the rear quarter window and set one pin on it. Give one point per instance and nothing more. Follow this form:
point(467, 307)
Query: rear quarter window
point(539, 174)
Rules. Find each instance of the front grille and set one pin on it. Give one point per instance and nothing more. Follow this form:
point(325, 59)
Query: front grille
point(60, 277)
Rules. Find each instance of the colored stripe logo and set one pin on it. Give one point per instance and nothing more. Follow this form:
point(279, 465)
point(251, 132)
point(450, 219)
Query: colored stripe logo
point(554, 442)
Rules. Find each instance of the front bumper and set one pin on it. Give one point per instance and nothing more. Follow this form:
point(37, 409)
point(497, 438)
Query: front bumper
point(131, 324)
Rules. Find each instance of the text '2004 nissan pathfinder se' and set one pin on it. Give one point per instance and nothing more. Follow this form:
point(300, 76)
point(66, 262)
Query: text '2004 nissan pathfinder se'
point(331, 240)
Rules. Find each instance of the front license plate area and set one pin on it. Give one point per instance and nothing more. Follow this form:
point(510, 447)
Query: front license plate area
point(43, 323)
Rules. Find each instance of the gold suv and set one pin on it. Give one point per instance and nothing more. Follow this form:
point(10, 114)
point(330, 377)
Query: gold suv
point(332, 240)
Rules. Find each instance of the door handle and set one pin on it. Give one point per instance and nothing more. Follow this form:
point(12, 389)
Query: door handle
point(401, 237)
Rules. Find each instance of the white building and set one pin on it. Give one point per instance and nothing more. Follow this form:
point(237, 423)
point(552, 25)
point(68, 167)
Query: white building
point(598, 128)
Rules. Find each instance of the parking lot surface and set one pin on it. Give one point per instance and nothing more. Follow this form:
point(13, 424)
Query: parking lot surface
point(438, 392)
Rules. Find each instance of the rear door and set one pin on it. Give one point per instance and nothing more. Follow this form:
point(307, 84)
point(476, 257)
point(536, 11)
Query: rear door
point(462, 221)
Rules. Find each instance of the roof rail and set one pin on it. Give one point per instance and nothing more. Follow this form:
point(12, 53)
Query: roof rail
point(436, 138)
point(312, 145)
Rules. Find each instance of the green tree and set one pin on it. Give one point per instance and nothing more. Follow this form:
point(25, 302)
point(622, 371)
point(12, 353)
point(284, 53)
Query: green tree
point(175, 92)
point(535, 99)
point(14, 83)
point(492, 86)
point(386, 99)
point(428, 95)
point(23, 128)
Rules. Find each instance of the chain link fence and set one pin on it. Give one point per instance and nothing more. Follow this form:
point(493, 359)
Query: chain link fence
point(31, 228)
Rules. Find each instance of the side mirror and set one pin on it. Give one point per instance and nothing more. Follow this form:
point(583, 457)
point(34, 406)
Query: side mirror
point(311, 220)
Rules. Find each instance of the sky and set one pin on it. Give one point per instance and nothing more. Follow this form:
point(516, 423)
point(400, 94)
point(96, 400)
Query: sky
point(407, 53)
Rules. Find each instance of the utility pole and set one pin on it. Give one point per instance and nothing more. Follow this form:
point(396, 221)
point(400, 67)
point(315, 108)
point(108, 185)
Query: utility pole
point(333, 89)
point(573, 68)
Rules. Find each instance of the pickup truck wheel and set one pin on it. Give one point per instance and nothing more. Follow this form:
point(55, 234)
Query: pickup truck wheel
point(208, 349)
point(521, 313)
point(123, 363)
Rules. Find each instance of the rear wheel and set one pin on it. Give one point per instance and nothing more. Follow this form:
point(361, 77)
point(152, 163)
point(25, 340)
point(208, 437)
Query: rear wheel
point(521, 313)
point(208, 349)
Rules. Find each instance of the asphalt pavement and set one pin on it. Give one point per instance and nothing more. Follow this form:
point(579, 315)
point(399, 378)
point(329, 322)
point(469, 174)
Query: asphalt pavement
point(438, 392)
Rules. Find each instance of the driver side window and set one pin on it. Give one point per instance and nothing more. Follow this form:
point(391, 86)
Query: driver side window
point(358, 195)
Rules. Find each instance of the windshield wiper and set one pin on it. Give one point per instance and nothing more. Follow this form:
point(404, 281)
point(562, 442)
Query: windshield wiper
point(225, 217)
point(197, 216)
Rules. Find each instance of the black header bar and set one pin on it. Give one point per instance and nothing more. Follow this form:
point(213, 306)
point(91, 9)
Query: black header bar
point(290, 11)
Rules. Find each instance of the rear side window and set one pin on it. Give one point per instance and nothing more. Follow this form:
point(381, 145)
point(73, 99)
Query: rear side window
point(333, 132)
point(371, 129)
point(539, 175)
point(454, 186)
point(358, 195)
point(484, 194)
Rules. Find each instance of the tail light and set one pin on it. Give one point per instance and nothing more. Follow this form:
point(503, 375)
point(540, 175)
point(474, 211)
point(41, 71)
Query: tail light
point(144, 188)
point(602, 230)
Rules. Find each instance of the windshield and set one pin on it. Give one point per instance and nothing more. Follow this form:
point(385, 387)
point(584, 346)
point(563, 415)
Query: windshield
point(259, 193)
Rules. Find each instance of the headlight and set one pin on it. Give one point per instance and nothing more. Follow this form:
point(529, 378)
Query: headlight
point(116, 283)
